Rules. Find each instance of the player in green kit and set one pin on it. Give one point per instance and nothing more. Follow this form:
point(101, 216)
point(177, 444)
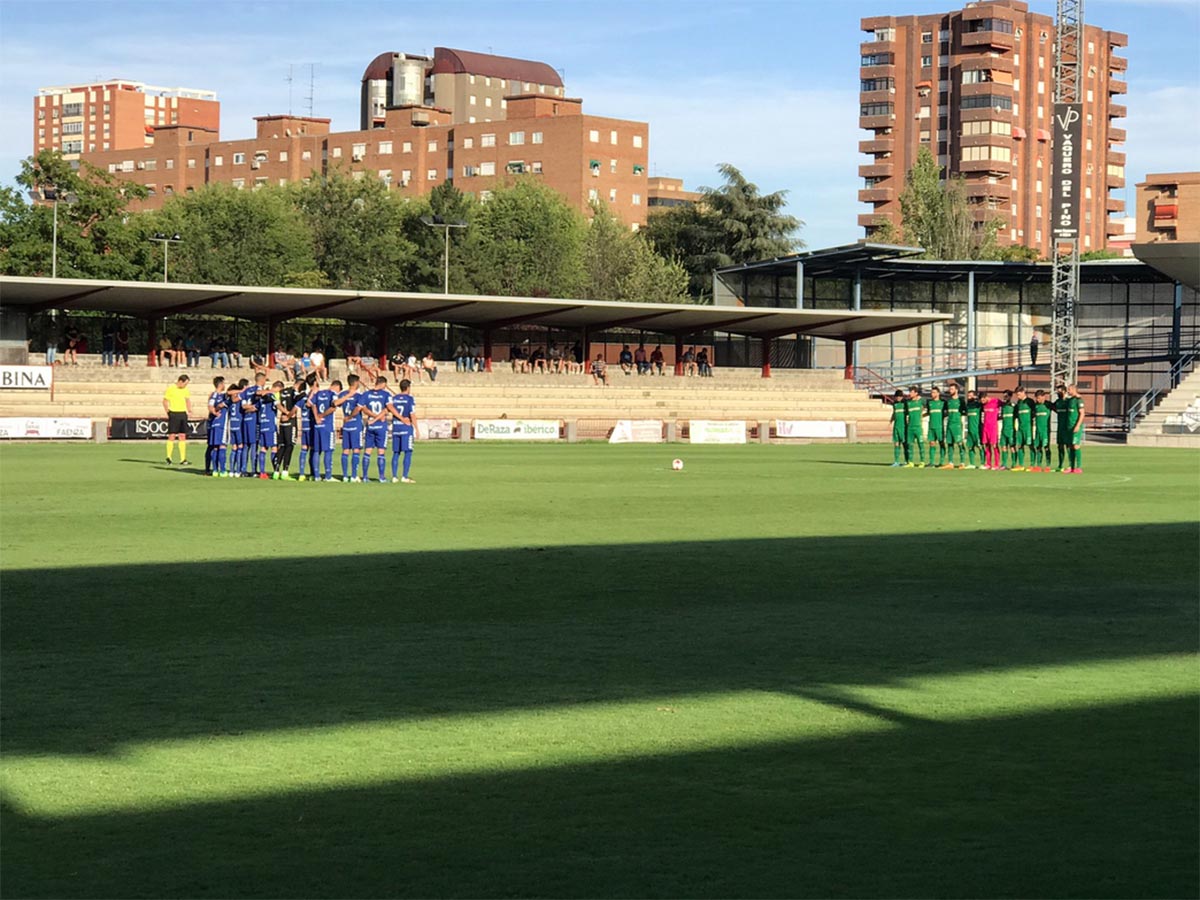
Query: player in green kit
point(1075, 414)
point(915, 428)
point(936, 436)
point(1041, 433)
point(899, 433)
point(1007, 436)
point(1062, 414)
point(974, 410)
point(955, 407)
point(1022, 428)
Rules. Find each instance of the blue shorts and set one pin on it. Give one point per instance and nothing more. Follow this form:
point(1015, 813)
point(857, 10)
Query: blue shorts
point(376, 437)
point(322, 440)
point(306, 434)
point(216, 437)
point(402, 441)
point(235, 433)
point(352, 438)
point(249, 432)
point(266, 437)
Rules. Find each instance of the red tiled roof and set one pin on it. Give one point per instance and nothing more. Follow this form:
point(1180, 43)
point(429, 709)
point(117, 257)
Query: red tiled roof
point(446, 61)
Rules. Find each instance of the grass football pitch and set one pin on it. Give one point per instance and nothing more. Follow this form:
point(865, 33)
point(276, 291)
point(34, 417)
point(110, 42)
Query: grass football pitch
point(570, 671)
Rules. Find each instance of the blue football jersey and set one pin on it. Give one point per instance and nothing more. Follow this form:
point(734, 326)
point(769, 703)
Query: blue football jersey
point(350, 412)
point(235, 413)
point(250, 398)
point(376, 401)
point(217, 401)
point(266, 412)
point(321, 401)
point(402, 407)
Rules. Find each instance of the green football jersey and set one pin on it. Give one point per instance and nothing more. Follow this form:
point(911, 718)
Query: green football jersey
point(974, 413)
point(1074, 412)
point(916, 409)
point(954, 406)
point(900, 412)
point(1024, 414)
point(937, 409)
point(1041, 419)
point(1006, 418)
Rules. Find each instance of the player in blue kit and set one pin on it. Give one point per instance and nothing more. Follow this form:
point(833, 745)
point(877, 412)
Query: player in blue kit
point(250, 409)
point(320, 405)
point(306, 423)
point(404, 429)
point(218, 426)
point(374, 405)
point(268, 429)
point(216, 402)
point(233, 457)
point(352, 426)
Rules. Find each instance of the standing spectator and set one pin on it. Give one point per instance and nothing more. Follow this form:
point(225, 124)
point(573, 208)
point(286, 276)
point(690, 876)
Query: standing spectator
point(1033, 349)
point(626, 359)
point(219, 353)
point(599, 370)
point(71, 357)
point(177, 404)
point(52, 348)
point(462, 359)
point(656, 359)
point(640, 360)
point(430, 366)
point(108, 338)
point(121, 346)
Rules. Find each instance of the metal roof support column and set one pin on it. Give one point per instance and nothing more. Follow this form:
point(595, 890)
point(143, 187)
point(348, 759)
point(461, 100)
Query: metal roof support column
point(851, 350)
point(1176, 333)
point(971, 327)
point(799, 285)
point(857, 306)
point(766, 361)
point(152, 342)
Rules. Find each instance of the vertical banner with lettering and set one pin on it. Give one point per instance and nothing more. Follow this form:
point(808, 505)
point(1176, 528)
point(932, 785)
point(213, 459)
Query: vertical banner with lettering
point(1067, 162)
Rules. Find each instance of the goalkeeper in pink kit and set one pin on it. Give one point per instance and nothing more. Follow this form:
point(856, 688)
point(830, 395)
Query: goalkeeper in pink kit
point(991, 431)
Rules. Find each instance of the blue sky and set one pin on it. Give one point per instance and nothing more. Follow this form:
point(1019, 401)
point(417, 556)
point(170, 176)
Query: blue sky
point(768, 86)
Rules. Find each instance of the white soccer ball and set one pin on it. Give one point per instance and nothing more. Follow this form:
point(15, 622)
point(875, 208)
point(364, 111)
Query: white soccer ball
point(677, 464)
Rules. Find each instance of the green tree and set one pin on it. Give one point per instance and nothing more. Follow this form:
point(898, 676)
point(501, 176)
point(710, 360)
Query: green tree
point(429, 246)
point(95, 239)
point(1099, 254)
point(937, 217)
point(232, 236)
point(734, 223)
point(358, 232)
point(623, 265)
point(526, 241)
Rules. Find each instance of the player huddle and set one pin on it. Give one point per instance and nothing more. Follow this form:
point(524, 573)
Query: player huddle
point(1003, 432)
point(253, 429)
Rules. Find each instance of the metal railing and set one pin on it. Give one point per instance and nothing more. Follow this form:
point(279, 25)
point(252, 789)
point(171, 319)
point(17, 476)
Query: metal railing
point(1149, 400)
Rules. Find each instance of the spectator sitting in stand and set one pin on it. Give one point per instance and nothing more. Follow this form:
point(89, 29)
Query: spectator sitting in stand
point(285, 362)
point(599, 370)
point(537, 361)
point(166, 352)
point(412, 368)
point(396, 364)
point(220, 355)
point(656, 359)
point(191, 349)
point(640, 361)
point(702, 363)
point(430, 366)
point(477, 362)
point(554, 360)
point(317, 357)
point(180, 352)
point(517, 356)
point(235, 357)
point(689, 361)
point(462, 358)
point(259, 364)
point(626, 360)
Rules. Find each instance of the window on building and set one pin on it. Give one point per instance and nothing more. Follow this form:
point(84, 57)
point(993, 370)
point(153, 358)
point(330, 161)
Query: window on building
point(612, 195)
point(976, 76)
point(72, 128)
point(405, 176)
point(261, 181)
point(877, 84)
point(385, 148)
point(170, 163)
point(471, 101)
point(923, 112)
point(218, 160)
point(487, 140)
point(238, 183)
point(594, 136)
point(924, 137)
point(239, 159)
point(637, 141)
point(536, 167)
point(612, 166)
point(191, 164)
point(593, 194)
point(536, 137)
point(487, 168)
point(283, 156)
point(503, 103)
point(885, 34)
point(612, 138)
point(926, 62)
point(516, 138)
point(1004, 26)
point(431, 175)
point(877, 59)
point(487, 101)
point(877, 109)
point(986, 101)
point(432, 146)
point(336, 153)
point(926, 37)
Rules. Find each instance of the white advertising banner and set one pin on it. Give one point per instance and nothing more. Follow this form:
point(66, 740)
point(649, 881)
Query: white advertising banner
point(26, 378)
point(516, 430)
point(703, 431)
point(435, 429)
point(814, 429)
point(637, 431)
point(29, 429)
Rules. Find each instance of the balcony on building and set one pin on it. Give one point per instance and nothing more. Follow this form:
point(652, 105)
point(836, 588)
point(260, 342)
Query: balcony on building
point(1166, 214)
point(981, 212)
point(1113, 182)
point(990, 63)
point(877, 96)
point(883, 70)
point(996, 88)
point(1118, 63)
point(877, 195)
point(868, 47)
point(1117, 87)
point(1114, 204)
point(981, 140)
point(1000, 190)
point(1116, 135)
point(1115, 158)
point(978, 166)
point(872, 220)
point(1117, 39)
point(1116, 111)
point(881, 121)
point(987, 32)
point(1113, 228)
point(883, 169)
point(877, 145)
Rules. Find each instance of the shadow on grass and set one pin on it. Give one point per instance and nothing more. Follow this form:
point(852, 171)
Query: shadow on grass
point(94, 657)
point(1098, 802)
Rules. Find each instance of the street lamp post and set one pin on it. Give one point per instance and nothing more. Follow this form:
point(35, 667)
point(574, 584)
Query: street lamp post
point(166, 240)
point(52, 195)
point(445, 225)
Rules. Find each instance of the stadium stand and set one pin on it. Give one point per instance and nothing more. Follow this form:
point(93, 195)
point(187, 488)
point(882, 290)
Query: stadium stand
point(1175, 422)
point(89, 390)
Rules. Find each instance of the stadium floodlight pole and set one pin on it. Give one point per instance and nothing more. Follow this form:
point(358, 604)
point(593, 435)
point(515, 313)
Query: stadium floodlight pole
point(445, 225)
point(1066, 162)
point(53, 195)
point(166, 240)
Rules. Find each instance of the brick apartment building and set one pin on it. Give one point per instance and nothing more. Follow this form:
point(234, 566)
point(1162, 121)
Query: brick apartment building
point(666, 193)
point(115, 115)
point(1168, 208)
point(472, 87)
point(976, 87)
point(416, 148)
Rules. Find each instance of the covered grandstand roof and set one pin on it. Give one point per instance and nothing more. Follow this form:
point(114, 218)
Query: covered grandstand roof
point(892, 262)
point(154, 300)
